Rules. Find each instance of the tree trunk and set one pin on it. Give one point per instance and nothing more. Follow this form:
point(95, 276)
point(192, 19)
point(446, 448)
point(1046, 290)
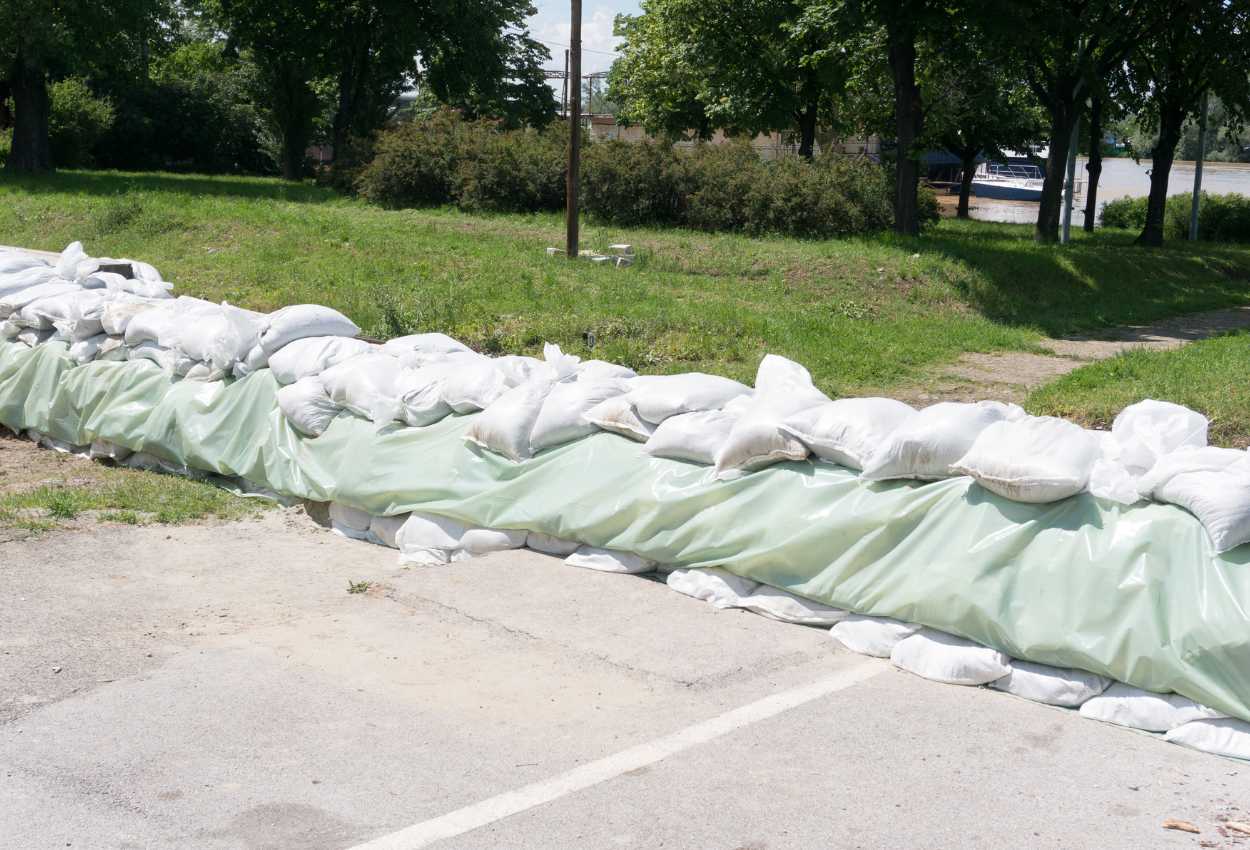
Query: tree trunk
point(965, 183)
point(1049, 210)
point(294, 150)
point(807, 131)
point(1160, 169)
point(909, 120)
point(1094, 166)
point(31, 151)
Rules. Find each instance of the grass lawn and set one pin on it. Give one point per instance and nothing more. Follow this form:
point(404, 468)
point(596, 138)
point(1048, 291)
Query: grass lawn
point(41, 490)
point(862, 314)
point(1208, 376)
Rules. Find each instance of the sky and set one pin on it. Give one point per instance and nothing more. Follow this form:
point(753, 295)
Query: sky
point(550, 25)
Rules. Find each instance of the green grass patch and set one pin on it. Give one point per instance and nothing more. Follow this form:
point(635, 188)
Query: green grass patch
point(111, 495)
point(861, 313)
point(1208, 376)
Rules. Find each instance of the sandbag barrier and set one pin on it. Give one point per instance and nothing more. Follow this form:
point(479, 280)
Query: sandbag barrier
point(1037, 541)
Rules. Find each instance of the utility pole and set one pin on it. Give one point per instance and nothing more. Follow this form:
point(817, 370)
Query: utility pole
point(564, 92)
point(1202, 149)
point(575, 130)
point(1068, 192)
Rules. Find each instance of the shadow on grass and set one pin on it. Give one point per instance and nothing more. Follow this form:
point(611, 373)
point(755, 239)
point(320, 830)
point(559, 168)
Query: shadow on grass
point(113, 183)
point(1098, 281)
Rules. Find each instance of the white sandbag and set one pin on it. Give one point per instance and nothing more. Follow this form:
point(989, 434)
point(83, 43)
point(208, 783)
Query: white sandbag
point(945, 658)
point(307, 406)
point(1211, 483)
point(849, 430)
point(1125, 705)
point(1034, 459)
point(619, 416)
point(609, 561)
point(11, 284)
point(219, 334)
point(365, 385)
point(788, 608)
point(349, 522)
point(33, 336)
point(162, 323)
point(934, 439)
point(782, 388)
point(1149, 429)
point(517, 369)
point(86, 350)
point(113, 349)
point(714, 585)
point(166, 358)
point(1225, 736)
point(1051, 685)
point(602, 370)
point(549, 545)
point(1109, 478)
point(560, 419)
point(384, 530)
point(312, 355)
point(429, 540)
point(483, 541)
point(9, 329)
point(657, 397)
point(106, 450)
point(424, 345)
point(15, 301)
point(67, 263)
point(75, 315)
point(505, 427)
point(118, 313)
point(695, 437)
point(875, 636)
point(300, 321)
point(19, 261)
point(468, 381)
point(417, 399)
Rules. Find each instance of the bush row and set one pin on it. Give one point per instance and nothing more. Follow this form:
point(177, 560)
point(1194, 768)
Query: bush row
point(1221, 218)
point(727, 187)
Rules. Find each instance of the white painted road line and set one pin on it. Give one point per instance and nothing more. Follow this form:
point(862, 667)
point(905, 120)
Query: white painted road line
point(580, 778)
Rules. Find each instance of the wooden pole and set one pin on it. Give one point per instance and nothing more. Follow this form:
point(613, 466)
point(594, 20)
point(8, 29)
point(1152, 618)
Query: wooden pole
point(575, 129)
point(564, 92)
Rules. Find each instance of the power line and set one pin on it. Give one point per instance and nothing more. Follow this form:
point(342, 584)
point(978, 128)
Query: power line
point(584, 49)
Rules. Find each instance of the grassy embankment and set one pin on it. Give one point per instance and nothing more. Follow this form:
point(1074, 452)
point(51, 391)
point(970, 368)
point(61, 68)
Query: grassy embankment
point(862, 314)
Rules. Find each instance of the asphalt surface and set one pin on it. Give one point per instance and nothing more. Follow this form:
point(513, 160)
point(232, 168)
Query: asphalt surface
point(219, 687)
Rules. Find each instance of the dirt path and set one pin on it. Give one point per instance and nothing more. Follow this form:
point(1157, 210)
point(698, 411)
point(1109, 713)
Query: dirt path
point(1012, 375)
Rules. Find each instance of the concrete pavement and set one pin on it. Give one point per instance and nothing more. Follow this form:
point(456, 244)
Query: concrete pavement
point(218, 687)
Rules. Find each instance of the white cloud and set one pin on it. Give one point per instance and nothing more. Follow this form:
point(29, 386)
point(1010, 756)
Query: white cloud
point(551, 25)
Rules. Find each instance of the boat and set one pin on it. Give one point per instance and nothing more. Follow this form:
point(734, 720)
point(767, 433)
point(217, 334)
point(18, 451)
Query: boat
point(1008, 181)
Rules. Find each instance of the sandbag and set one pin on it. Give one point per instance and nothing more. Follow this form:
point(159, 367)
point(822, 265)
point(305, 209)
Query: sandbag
point(1034, 459)
point(105, 450)
point(505, 427)
point(32, 336)
point(782, 388)
point(384, 530)
point(788, 608)
point(364, 385)
point(163, 357)
point(75, 315)
point(1051, 685)
point(1146, 431)
point(849, 430)
point(162, 323)
point(946, 658)
point(415, 349)
point(19, 261)
point(15, 301)
point(300, 321)
point(560, 419)
point(469, 381)
point(307, 406)
point(875, 636)
point(1211, 483)
point(483, 541)
point(934, 439)
point(198, 371)
point(602, 370)
point(714, 585)
point(86, 350)
point(1225, 736)
point(218, 334)
point(67, 263)
point(118, 312)
point(550, 545)
point(618, 416)
point(313, 355)
point(695, 437)
point(1125, 705)
point(349, 522)
point(429, 540)
point(609, 561)
point(657, 397)
point(419, 397)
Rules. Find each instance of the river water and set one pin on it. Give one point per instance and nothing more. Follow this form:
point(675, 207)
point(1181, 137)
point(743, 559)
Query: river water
point(1120, 178)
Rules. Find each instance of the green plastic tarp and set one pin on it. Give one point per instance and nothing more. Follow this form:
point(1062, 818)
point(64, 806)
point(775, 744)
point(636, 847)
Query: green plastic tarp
point(1133, 593)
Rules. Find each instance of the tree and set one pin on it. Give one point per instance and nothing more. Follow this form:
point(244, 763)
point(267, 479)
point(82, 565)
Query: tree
point(1061, 46)
point(1196, 46)
point(744, 66)
point(975, 104)
point(43, 36)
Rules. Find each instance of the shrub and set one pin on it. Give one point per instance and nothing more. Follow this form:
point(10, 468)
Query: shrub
point(633, 183)
point(417, 162)
point(722, 179)
point(77, 121)
point(6, 144)
point(516, 171)
point(1221, 218)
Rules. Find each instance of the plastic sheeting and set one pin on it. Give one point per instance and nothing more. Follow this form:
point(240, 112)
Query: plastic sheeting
point(1132, 593)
